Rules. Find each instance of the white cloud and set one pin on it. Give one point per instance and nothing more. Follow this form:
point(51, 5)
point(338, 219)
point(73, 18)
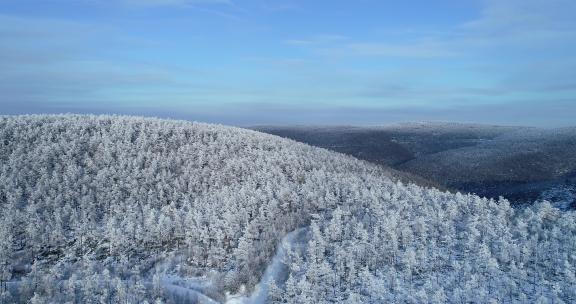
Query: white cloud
point(49, 59)
point(341, 45)
point(420, 49)
point(518, 24)
point(513, 16)
point(513, 49)
point(503, 25)
point(151, 3)
point(318, 40)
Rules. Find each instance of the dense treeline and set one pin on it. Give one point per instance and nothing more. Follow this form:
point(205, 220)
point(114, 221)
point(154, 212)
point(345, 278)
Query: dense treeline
point(91, 207)
point(518, 163)
point(412, 245)
point(118, 191)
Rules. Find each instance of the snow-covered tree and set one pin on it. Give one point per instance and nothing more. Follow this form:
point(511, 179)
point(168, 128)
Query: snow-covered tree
point(93, 206)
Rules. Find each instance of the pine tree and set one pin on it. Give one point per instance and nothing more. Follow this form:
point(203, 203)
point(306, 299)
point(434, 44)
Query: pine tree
point(275, 294)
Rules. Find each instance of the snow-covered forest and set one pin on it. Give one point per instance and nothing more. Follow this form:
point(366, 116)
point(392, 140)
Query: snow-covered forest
point(111, 209)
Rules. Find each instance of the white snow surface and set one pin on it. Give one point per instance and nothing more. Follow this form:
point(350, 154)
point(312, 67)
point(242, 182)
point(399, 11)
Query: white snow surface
point(275, 270)
point(187, 290)
point(190, 290)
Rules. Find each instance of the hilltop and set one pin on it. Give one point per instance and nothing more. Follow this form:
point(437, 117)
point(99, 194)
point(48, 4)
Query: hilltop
point(129, 209)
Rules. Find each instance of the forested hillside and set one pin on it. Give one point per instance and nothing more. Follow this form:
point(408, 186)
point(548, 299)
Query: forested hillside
point(101, 209)
point(391, 145)
point(522, 164)
point(372, 144)
point(523, 158)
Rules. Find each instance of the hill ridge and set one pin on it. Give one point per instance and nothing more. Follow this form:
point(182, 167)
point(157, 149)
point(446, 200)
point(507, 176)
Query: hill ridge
point(105, 208)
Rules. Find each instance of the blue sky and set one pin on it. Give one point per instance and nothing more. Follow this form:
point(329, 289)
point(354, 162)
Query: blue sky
point(293, 61)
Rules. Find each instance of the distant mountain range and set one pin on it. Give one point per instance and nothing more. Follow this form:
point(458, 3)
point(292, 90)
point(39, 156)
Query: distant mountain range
point(520, 163)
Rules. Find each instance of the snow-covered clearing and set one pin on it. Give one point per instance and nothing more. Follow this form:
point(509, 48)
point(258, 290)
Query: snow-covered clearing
point(275, 271)
point(185, 290)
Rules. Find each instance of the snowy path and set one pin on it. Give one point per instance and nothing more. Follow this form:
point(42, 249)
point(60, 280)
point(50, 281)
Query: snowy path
point(274, 271)
point(184, 294)
point(190, 290)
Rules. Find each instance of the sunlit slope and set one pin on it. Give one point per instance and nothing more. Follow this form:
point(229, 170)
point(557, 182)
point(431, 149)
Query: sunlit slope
point(105, 208)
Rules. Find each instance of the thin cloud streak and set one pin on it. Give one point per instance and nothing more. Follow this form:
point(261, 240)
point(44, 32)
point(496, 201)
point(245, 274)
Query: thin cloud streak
point(174, 3)
point(503, 23)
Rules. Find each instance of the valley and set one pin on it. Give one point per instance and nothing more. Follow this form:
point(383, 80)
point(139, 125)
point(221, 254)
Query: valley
point(518, 163)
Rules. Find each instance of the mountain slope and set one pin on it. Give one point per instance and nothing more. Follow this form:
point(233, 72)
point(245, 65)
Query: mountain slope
point(113, 189)
point(374, 145)
point(394, 144)
point(521, 164)
point(112, 209)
